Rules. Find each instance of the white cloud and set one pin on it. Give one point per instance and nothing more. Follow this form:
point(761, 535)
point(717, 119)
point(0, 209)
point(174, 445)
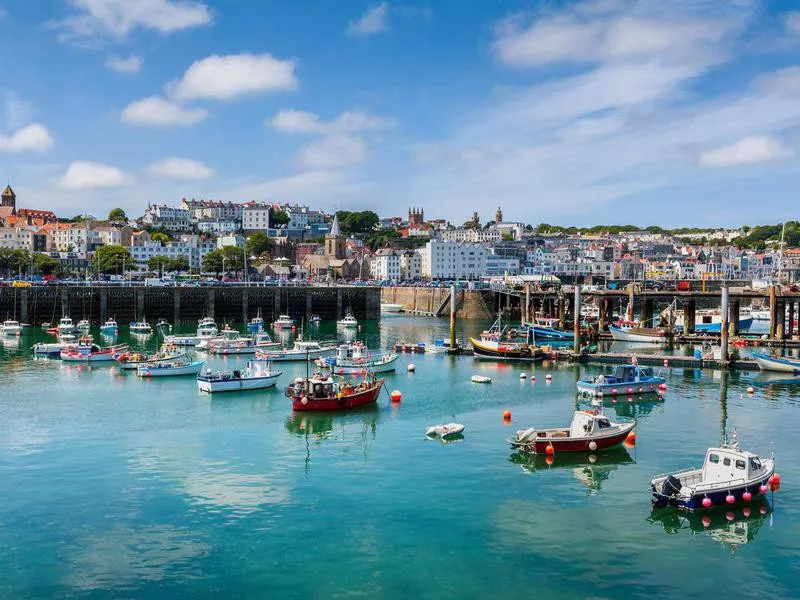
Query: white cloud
point(337, 150)
point(793, 22)
point(228, 77)
point(118, 18)
point(371, 22)
point(17, 112)
point(785, 81)
point(31, 138)
point(299, 121)
point(158, 111)
point(83, 175)
point(746, 151)
point(181, 168)
point(130, 65)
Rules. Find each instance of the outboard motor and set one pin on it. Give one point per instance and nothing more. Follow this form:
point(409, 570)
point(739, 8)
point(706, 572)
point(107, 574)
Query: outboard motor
point(670, 488)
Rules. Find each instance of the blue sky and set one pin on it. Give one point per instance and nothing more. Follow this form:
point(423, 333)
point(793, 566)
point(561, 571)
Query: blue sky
point(674, 113)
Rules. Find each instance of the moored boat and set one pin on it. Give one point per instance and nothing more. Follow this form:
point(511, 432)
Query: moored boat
point(590, 430)
point(300, 352)
point(781, 364)
point(627, 379)
point(283, 322)
point(440, 347)
point(140, 327)
point(110, 327)
point(445, 431)
point(131, 361)
point(728, 476)
point(84, 326)
point(647, 335)
point(491, 345)
point(87, 351)
point(321, 392)
point(171, 368)
point(256, 375)
point(65, 325)
point(348, 322)
point(315, 320)
point(47, 349)
point(481, 379)
point(11, 328)
point(355, 358)
point(256, 324)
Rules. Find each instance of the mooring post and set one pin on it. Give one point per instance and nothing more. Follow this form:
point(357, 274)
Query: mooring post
point(734, 317)
point(526, 314)
point(576, 319)
point(562, 311)
point(452, 317)
point(23, 305)
point(629, 316)
point(724, 326)
point(689, 316)
point(773, 312)
point(790, 321)
point(780, 328)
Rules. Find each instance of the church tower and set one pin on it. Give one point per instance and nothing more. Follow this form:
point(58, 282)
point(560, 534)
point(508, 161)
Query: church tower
point(416, 216)
point(9, 198)
point(334, 242)
point(498, 216)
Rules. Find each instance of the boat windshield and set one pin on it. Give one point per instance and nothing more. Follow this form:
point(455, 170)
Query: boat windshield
point(755, 463)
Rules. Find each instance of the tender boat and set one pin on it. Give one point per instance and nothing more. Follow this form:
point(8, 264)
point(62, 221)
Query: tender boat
point(354, 358)
point(110, 327)
point(11, 328)
point(348, 322)
point(47, 349)
point(648, 335)
point(781, 364)
point(84, 326)
point(728, 476)
point(448, 430)
point(283, 322)
point(87, 351)
point(141, 327)
point(131, 361)
point(321, 392)
point(589, 431)
point(387, 307)
point(481, 379)
point(65, 325)
point(172, 368)
point(257, 375)
point(300, 352)
point(626, 380)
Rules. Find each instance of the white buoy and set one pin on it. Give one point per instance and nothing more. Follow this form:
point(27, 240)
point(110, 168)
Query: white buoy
point(751, 390)
point(412, 367)
point(523, 375)
point(548, 377)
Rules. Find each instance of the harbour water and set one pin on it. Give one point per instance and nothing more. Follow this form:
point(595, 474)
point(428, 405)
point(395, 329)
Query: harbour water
point(114, 486)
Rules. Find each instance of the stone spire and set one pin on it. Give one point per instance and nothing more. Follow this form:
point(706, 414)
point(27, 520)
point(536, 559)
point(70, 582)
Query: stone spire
point(335, 229)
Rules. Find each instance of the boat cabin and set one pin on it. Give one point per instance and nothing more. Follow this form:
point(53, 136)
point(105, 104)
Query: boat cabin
point(626, 374)
point(357, 351)
point(729, 463)
point(587, 423)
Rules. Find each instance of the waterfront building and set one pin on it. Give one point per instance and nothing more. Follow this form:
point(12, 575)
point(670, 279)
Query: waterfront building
point(443, 259)
point(255, 217)
point(16, 238)
point(410, 265)
point(386, 265)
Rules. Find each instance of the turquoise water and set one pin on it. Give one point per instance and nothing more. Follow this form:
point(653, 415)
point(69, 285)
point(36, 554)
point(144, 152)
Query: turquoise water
point(113, 486)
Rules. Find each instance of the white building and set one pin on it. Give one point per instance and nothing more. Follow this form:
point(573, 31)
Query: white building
point(217, 226)
point(237, 241)
point(16, 238)
point(475, 236)
point(189, 246)
point(255, 217)
point(500, 265)
point(443, 259)
point(213, 210)
point(67, 237)
point(386, 265)
point(410, 265)
point(167, 217)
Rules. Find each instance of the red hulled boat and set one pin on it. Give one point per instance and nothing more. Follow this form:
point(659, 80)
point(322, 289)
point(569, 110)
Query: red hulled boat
point(589, 431)
point(321, 392)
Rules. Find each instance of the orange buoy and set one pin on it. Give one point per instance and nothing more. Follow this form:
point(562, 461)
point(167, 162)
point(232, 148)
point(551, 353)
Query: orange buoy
point(507, 415)
point(631, 439)
point(550, 450)
point(396, 396)
point(775, 482)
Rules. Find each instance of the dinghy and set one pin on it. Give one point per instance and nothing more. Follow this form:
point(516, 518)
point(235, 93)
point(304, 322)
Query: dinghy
point(481, 379)
point(445, 431)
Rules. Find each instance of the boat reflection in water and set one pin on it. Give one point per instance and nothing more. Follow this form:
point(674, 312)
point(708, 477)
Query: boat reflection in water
point(732, 527)
point(590, 469)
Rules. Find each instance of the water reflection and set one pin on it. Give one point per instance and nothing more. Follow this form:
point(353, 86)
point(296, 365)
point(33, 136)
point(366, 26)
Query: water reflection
point(731, 528)
point(590, 469)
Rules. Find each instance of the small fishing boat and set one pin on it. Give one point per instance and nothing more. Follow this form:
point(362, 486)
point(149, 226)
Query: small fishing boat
point(65, 325)
point(47, 349)
point(728, 476)
point(481, 379)
point(227, 347)
point(782, 364)
point(84, 326)
point(140, 327)
point(226, 335)
point(301, 351)
point(388, 307)
point(710, 321)
point(264, 341)
point(448, 430)
point(256, 375)
point(315, 320)
point(648, 335)
point(11, 328)
point(355, 358)
point(256, 324)
point(492, 346)
point(321, 392)
point(546, 328)
point(207, 326)
point(283, 322)
point(626, 380)
point(172, 368)
point(110, 327)
point(87, 351)
point(440, 347)
point(131, 361)
point(589, 431)
point(348, 322)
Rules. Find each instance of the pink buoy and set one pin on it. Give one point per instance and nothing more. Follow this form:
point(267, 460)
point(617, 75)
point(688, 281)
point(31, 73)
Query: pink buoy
point(730, 499)
point(730, 516)
point(746, 511)
point(706, 502)
point(762, 509)
point(614, 391)
point(762, 489)
point(533, 378)
point(630, 390)
point(747, 496)
point(666, 362)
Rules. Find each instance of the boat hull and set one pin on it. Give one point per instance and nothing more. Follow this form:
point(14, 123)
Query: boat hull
point(633, 335)
point(381, 366)
point(84, 358)
point(781, 365)
point(647, 386)
point(506, 353)
point(237, 385)
point(365, 398)
point(718, 497)
point(567, 444)
point(549, 333)
point(169, 371)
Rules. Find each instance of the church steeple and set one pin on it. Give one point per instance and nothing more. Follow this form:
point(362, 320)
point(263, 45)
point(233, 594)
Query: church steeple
point(335, 242)
point(8, 197)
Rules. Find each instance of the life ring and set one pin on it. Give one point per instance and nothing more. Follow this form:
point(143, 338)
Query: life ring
point(303, 400)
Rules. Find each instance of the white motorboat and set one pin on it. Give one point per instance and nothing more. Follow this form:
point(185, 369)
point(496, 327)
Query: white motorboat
point(302, 351)
point(65, 325)
point(283, 322)
point(759, 313)
point(193, 339)
point(131, 361)
point(207, 326)
point(47, 349)
point(780, 364)
point(448, 430)
point(349, 321)
point(141, 327)
point(354, 359)
point(255, 376)
point(481, 379)
point(226, 335)
point(172, 368)
point(84, 326)
point(644, 335)
point(87, 351)
point(264, 341)
point(110, 327)
point(387, 307)
point(11, 328)
point(439, 347)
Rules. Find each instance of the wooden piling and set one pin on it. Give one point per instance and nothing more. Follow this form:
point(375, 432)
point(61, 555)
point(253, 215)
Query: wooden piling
point(773, 313)
point(724, 325)
point(576, 319)
point(452, 317)
point(734, 317)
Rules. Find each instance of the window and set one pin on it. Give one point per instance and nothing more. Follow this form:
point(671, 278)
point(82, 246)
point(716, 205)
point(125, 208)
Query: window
point(726, 461)
point(740, 464)
point(755, 463)
point(603, 423)
point(713, 458)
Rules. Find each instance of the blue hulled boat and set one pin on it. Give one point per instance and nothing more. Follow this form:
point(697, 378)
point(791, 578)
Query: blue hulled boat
point(626, 380)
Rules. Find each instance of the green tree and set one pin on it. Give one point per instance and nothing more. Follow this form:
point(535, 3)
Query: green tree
point(279, 218)
point(178, 264)
point(228, 259)
point(13, 262)
point(158, 264)
point(508, 237)
point(111, 259)
point(45, 264)
point(117, 215)
point(471, 225)
point(259, 243)
point(160, 236)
